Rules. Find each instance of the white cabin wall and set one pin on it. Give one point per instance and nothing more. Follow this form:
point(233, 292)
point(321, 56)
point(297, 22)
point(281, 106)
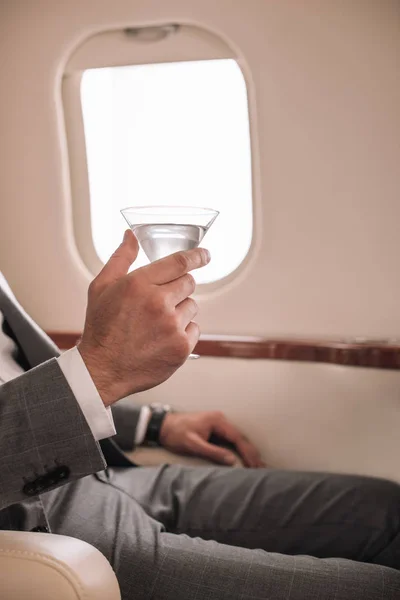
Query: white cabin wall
point(301, 415)
point(324, 91)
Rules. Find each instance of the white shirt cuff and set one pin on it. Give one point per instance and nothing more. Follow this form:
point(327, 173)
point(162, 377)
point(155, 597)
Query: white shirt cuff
point(98, 417)
point(141, 427)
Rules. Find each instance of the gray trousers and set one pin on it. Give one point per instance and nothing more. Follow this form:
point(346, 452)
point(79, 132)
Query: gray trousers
point(177, 533)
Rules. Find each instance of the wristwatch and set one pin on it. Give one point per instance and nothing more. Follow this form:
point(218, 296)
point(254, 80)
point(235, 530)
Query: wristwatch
point(158, 414)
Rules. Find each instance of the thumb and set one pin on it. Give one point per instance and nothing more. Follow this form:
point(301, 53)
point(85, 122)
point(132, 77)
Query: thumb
point(215, 453)
point(118, 264)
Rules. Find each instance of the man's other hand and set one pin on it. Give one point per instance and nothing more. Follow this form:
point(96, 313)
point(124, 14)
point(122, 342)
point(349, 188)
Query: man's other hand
point(189, 433)
point(139, 326)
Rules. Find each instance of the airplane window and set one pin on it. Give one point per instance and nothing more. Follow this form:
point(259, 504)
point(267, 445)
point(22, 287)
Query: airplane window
point(173, 133)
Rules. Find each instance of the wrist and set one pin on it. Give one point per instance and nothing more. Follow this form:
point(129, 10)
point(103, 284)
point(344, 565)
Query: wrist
point(107, 384)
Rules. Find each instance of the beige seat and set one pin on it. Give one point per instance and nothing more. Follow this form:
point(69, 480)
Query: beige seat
point(42, 566)
point(151, 457)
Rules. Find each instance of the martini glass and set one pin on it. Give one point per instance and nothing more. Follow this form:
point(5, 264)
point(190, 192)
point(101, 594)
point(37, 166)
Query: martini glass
point(164, 230)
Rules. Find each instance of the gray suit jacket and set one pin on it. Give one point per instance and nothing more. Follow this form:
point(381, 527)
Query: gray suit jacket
point(45, 440)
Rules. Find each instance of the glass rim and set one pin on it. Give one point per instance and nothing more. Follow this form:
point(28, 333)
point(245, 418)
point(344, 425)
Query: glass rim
point(176, 209)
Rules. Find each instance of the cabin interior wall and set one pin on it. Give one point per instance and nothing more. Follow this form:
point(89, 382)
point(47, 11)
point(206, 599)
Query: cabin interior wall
point(324, 91)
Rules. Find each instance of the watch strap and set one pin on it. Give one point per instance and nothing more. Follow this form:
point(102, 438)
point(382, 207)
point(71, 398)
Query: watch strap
point(158, 414)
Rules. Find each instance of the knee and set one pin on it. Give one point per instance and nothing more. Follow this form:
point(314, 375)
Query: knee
point(341, 579)
point(376, 502)
point(378, 581)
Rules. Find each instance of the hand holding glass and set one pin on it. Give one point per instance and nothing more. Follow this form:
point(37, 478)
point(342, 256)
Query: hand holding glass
point(163, 230)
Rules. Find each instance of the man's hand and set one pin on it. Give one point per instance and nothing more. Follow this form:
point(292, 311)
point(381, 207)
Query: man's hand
point(139, 326)
point(188, 433)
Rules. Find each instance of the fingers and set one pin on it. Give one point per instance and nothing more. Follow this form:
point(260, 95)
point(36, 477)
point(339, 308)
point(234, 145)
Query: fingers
point(193, 334)
point(186, 311)
point(175, 265)
point(179, 289)
point(198, 446)
point(119, 263)
point(176, 293)
point(247, 451)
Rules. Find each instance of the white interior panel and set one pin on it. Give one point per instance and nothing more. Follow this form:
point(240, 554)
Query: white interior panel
point(325, 94)
point(301, 415)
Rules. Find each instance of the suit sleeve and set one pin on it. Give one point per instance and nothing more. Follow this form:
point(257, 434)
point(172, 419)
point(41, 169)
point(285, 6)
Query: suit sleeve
point(126, 418)
point(45, 440)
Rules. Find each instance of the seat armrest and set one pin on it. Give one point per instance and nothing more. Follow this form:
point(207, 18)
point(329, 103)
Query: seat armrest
point(151, 457)
point(42, 566)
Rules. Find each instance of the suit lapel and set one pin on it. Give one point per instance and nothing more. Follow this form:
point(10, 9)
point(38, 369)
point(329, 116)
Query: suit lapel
point(36, 345)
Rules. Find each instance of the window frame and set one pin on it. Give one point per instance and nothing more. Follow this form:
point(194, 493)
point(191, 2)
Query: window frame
point(76, 144)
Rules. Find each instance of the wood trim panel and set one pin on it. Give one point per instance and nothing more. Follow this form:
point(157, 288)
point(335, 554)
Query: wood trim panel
point(64, 340)
point(366, 353)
